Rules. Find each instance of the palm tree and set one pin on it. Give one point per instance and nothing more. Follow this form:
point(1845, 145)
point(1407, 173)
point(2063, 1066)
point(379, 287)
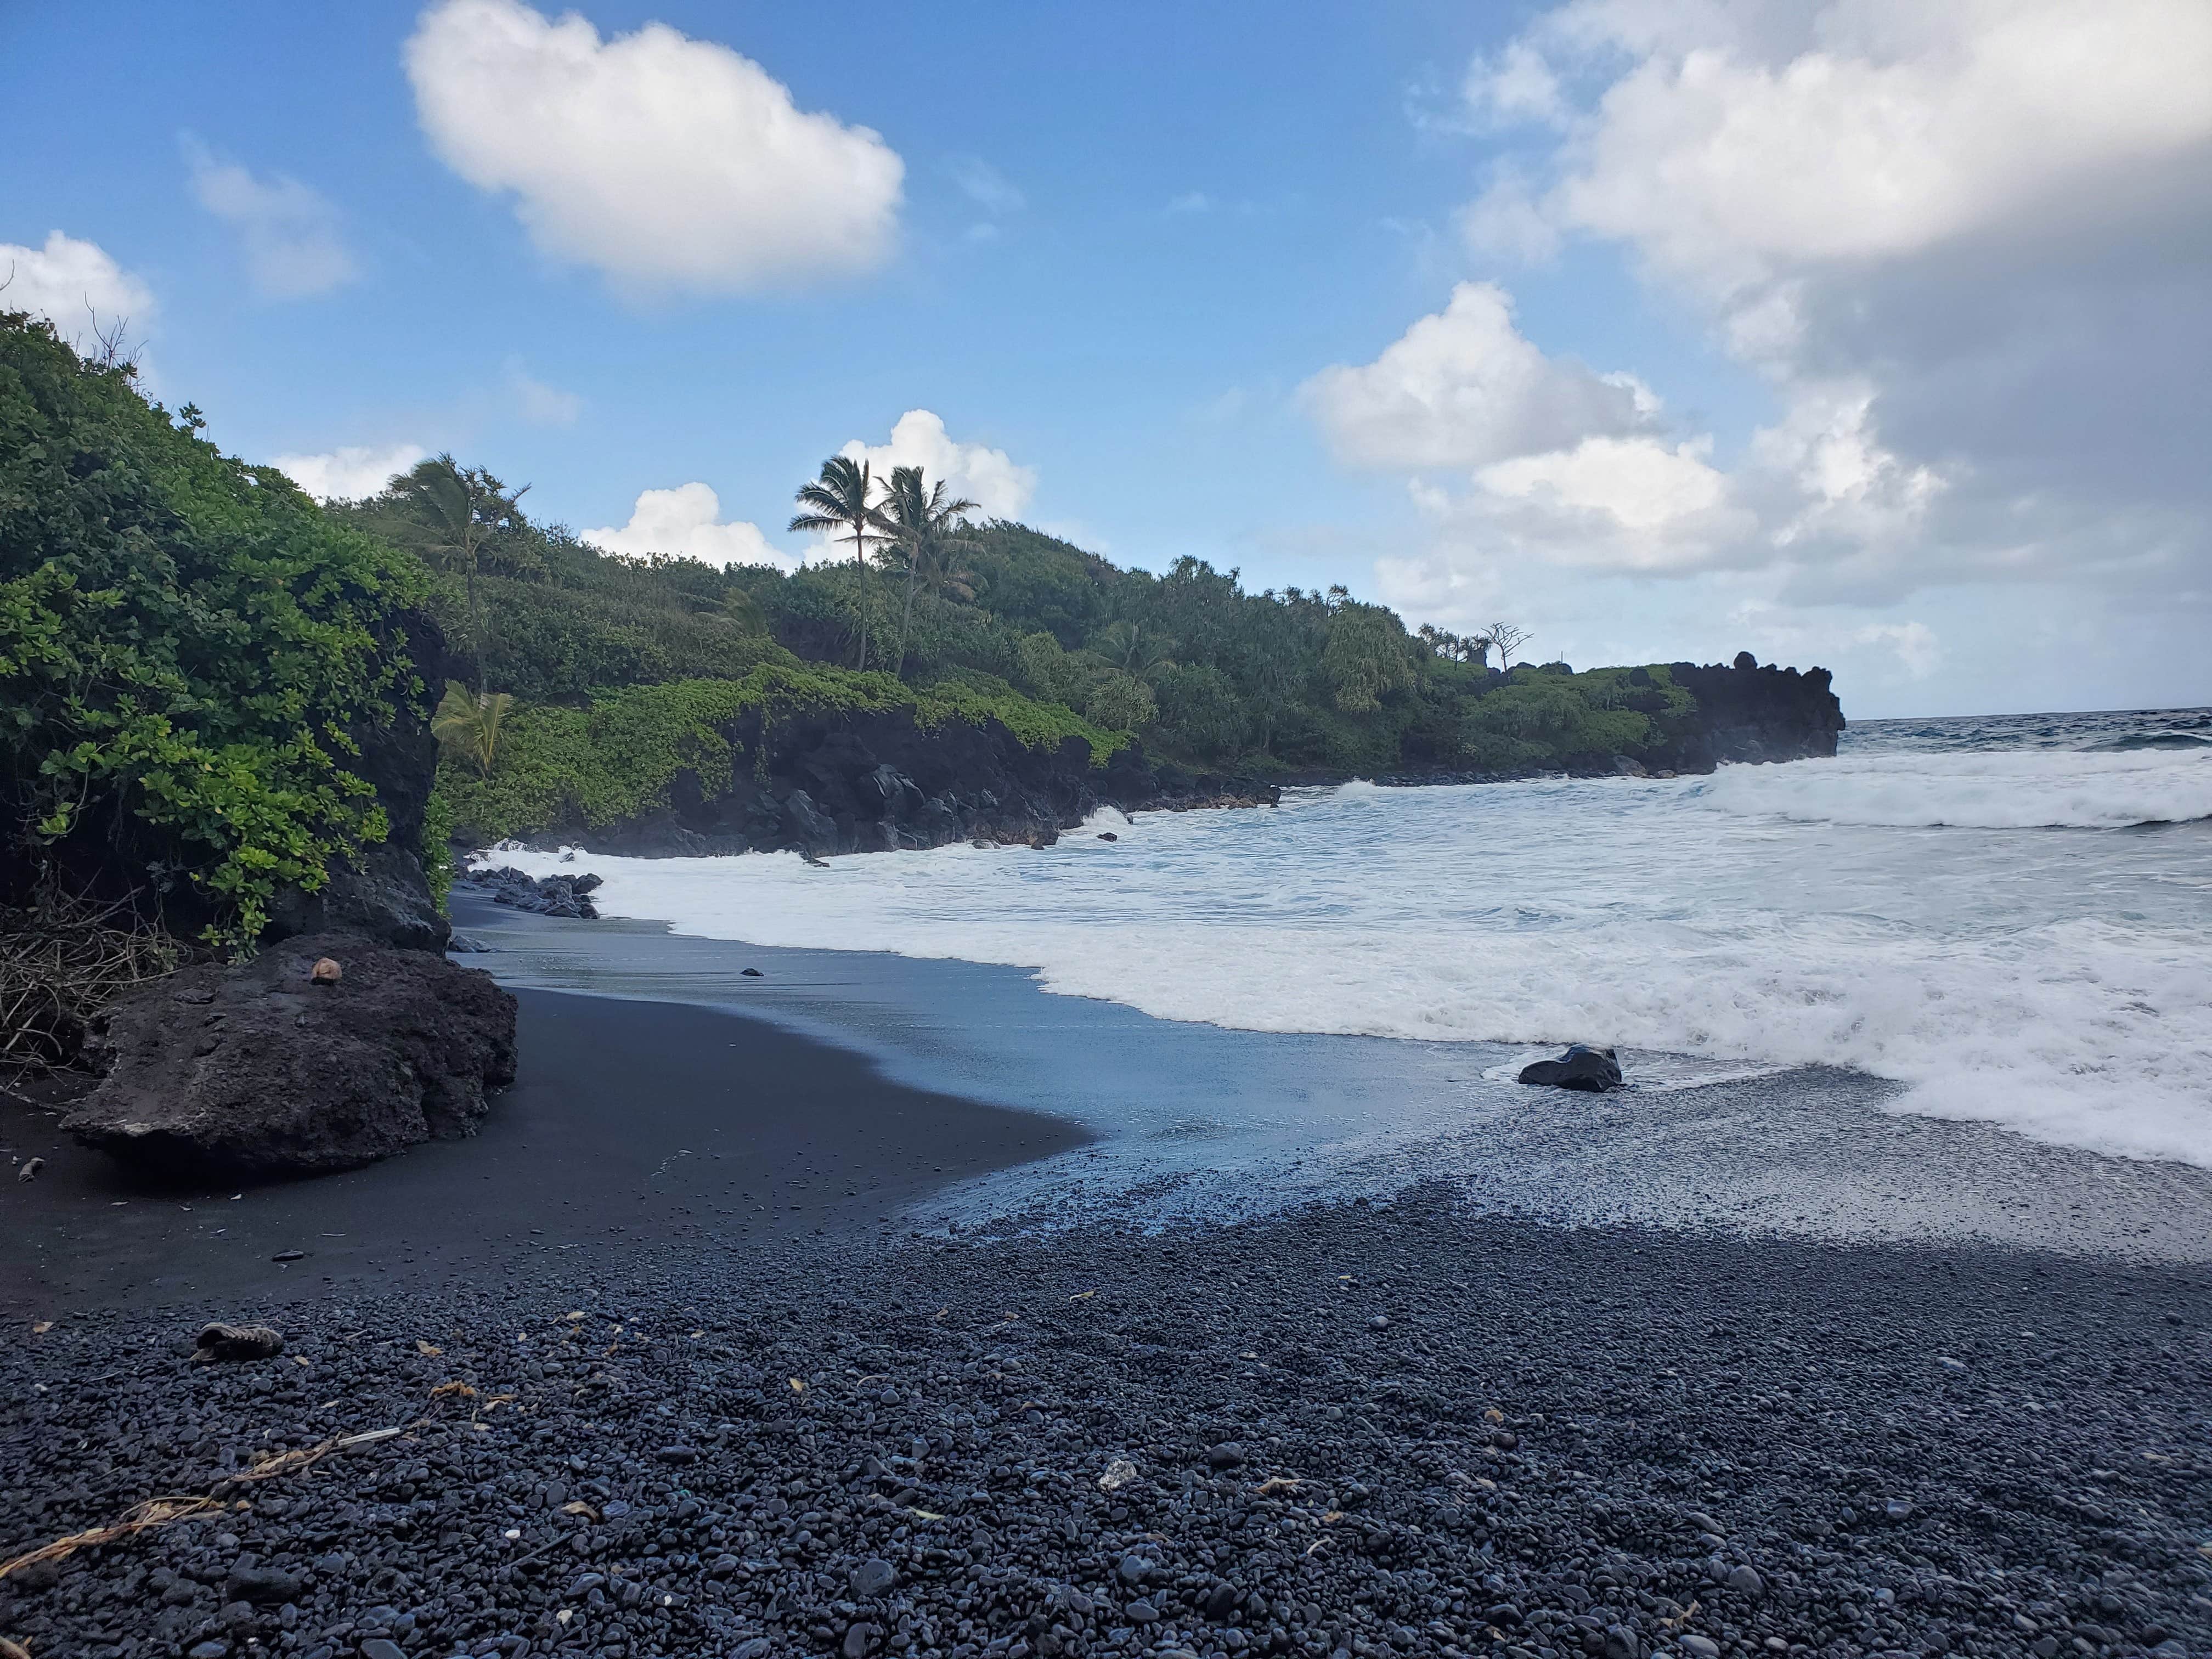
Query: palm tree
point(470, 725)
point(839, 499)
point(1130, 647)
point(445, 512)
point(926, 533)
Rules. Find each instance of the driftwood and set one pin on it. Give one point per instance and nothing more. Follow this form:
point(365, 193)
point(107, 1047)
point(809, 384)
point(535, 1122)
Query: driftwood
point(167, 1511)
point(64, 959)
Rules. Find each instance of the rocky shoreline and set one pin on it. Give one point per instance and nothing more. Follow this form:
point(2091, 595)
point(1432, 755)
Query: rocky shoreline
point(1359, 1432)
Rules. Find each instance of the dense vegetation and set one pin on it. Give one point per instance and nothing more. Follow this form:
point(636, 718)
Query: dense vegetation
point(190, 652)
point(1285, 683)
point(615, 758)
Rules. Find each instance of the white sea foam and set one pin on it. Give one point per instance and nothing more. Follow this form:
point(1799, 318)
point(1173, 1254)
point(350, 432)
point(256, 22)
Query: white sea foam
point(1981, 790)
point(2056, 982)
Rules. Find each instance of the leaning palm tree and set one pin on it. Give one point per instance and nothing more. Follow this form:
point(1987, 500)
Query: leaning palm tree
point(926, 534)
point(1133, 648)
point(842, 500)
point(469, 726)
point(445, 512)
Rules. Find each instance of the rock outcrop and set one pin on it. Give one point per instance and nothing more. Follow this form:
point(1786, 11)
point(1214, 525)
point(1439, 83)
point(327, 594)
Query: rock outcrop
point(553, 896)
point(1746, 713)
point(832, 783)
point(260, 1069)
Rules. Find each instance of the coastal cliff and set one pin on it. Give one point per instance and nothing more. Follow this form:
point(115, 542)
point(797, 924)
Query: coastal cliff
point(821, 781)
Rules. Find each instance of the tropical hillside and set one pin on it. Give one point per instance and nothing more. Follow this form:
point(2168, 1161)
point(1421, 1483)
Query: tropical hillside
point(1200, 670)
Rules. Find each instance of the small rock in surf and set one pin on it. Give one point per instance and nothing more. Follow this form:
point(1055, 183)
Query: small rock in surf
point(1585, 1067)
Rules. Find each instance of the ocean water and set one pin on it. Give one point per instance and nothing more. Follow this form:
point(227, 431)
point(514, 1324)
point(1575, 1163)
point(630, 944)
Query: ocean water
point(2011, 918)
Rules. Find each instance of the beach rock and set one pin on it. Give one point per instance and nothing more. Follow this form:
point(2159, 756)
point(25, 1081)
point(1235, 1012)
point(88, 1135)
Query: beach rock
point(326, 971)
point(554, 895)
point(30, 1169)
point(1584, 1066)
point(272, 1075)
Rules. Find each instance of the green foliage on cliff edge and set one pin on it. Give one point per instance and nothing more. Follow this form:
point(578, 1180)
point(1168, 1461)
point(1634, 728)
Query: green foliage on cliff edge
point(186, 643)
point(1540, 717)
point(618, 757)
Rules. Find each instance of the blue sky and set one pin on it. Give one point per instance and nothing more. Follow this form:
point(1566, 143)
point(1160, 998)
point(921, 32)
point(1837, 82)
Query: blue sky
point(1173, 265)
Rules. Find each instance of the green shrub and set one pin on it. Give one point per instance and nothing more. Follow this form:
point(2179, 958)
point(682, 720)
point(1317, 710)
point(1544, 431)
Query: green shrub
point(616, 759)
point(187, 648)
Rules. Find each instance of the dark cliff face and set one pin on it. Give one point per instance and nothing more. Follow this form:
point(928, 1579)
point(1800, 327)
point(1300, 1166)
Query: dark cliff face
point(878, 782)
point(384, 894)
point(1749, 714)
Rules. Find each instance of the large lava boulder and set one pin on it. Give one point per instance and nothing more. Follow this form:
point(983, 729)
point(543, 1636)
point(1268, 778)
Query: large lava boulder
point(322, 1053)
point(1584, 1066)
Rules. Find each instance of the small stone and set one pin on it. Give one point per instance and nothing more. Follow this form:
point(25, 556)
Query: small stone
point(1896, 1509)
point(872, 1577)
point(750, 973)
point(1620, 1642)
point(1141, 1612)
point(860, 1641)
point(289, 1255)
point(1221, 1600)
point(1119, 1473)
point(759, 1647)
point(1701, 1647)
point(1228, 1454)
point(381, 1647)
point(326, 972)
point(1504, 1615)
point(1704, 1522)
point(31, 1168)
point(1134, 1568)
point(1505, 1440)
point(1380, 1322)
point(677, 1455)
point(1746, 1581)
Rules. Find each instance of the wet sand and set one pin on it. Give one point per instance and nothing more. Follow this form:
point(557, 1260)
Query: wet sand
point(628, 1121)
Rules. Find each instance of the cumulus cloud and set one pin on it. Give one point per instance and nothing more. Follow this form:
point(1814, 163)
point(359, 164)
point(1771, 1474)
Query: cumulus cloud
point(71, 283)
point(666, 162)
point(687, 521)
point(987, 477)
point(350, 472)
point(1964, 245)
point(292, 237)
point(1465, 388)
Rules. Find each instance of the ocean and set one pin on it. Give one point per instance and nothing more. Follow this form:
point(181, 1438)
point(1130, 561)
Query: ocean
point(2008, 919)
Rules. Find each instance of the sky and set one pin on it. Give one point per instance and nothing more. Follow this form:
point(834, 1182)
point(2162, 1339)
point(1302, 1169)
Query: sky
point(1864, 333)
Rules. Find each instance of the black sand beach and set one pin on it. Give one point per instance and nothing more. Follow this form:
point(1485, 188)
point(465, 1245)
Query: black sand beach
point(675, 1379)
point(628, 1121)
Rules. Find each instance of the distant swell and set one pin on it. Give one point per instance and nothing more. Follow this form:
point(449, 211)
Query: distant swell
point(2151, 780)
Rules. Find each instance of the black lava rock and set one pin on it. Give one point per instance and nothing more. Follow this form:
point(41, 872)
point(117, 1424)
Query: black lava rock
point(1592, 1070)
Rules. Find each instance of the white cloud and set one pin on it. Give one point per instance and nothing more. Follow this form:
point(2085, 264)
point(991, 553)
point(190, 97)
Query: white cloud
point(539, 404)
point(1915, 643)
point(687, 521)
point(1191, 201)
point(1464, 388)
point(1517, 85)
point(1962, 244)
point(985, 185)
point(291, 238)
point(987, 477)
point(70, 283)
point(1507, 222)
point(668, 163)
point(348, 473)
